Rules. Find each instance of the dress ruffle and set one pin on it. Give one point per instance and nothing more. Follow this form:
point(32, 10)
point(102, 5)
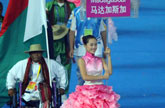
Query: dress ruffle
point(92, 96)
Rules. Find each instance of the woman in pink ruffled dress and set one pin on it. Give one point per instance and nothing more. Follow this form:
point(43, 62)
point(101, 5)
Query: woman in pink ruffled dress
point(93, 94)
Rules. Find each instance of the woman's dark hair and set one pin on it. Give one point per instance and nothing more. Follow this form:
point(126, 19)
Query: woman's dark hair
point(87, 38)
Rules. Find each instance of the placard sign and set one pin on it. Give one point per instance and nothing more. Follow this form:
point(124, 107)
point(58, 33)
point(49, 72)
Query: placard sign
point(108, 8)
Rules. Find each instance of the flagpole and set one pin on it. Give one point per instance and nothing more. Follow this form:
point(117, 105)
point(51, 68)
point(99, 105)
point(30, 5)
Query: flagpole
point(106, 81)
point(47, 47)
point(48, 56)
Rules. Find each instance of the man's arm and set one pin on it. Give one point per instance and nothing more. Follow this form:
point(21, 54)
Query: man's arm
point(72, 27)
point(12, 77)
point(71, 42)
point(59, 72)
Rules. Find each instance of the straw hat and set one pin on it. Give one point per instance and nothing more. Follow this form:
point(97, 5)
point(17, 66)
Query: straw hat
point(35, 47)
point(59, 31)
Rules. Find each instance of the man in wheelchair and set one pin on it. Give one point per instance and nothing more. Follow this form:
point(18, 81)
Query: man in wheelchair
point(35, 77)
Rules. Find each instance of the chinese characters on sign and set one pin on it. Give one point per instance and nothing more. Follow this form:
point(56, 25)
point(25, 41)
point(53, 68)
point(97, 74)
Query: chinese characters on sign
point(108, 8)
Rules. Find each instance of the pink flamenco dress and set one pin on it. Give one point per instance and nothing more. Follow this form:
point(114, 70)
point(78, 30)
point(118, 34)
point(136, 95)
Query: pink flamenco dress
point(93, 94)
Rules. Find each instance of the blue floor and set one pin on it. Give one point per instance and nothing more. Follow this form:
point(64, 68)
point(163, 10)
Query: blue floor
point(138, 58)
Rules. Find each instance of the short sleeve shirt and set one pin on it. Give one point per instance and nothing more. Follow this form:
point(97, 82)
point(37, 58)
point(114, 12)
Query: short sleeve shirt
point(81, 24)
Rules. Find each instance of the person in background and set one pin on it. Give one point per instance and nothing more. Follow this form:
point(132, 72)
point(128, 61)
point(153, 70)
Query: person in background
point(34, 74)
point(1, 17)
point(58, 12)
point(93, 94)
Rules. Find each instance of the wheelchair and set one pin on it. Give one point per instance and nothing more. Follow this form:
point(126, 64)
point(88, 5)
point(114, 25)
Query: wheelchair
point(17, 102)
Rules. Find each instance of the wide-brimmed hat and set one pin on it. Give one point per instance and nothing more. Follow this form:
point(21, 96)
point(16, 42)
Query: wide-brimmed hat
point(59, 31)
point(34, 48)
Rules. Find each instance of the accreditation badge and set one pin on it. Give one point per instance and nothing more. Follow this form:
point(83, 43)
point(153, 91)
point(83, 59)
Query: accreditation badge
point(31, 85)
point(88, 32)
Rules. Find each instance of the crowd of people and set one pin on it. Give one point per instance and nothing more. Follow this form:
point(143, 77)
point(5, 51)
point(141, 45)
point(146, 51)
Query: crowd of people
point(75, 36)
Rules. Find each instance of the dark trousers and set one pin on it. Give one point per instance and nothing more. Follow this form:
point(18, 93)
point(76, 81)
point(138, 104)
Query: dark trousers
point(32, 103)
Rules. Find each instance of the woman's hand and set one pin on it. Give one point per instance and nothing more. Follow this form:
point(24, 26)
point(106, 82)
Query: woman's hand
point(107, 51)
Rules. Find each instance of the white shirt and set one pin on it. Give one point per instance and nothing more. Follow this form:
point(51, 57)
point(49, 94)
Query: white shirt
point(60, 4)
point(18, 70)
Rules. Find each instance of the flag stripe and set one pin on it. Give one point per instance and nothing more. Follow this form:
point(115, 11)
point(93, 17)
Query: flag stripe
point(36, 18)
point(13, 11)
